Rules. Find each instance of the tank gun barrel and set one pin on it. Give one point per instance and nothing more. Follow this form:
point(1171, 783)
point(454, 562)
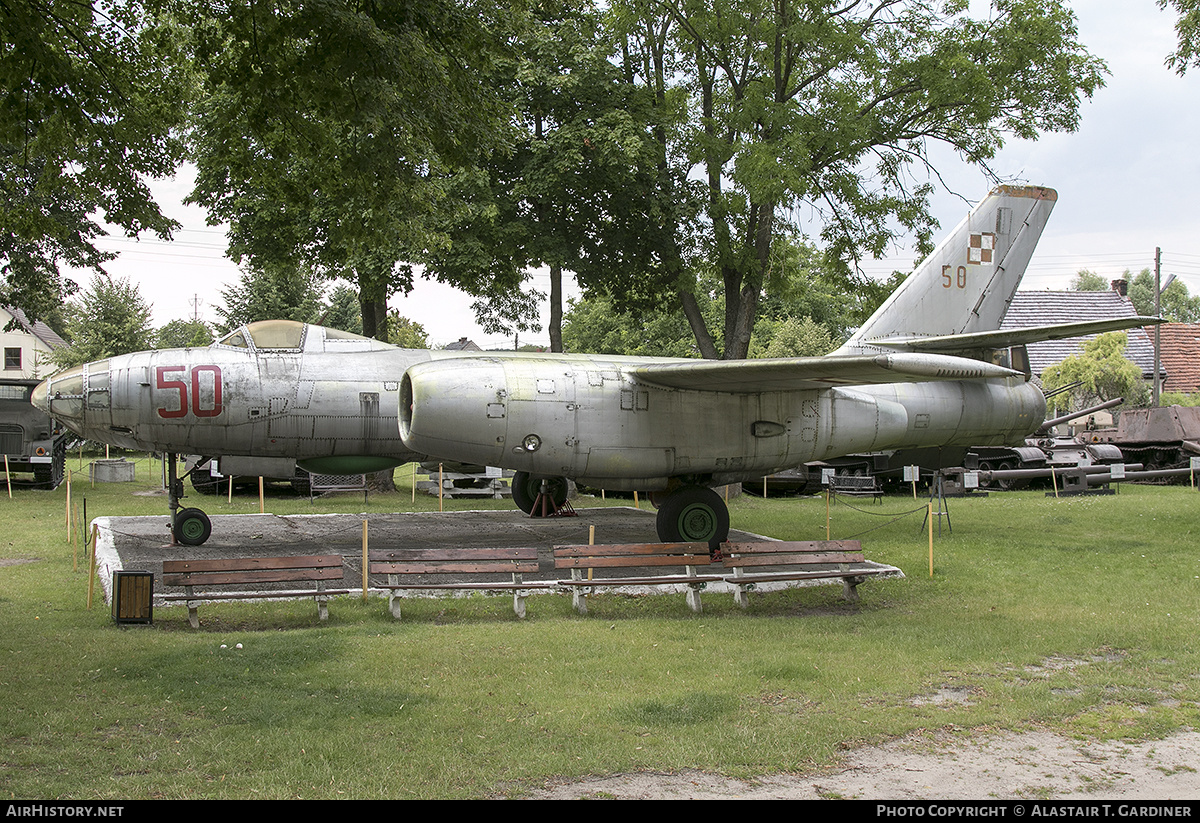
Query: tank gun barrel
point(1054, 421)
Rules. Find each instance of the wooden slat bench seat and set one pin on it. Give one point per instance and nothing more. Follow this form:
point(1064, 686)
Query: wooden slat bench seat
point(399, 564)
point(193, 575)
point(771, 561)
point(856, 486)
point(687, 557)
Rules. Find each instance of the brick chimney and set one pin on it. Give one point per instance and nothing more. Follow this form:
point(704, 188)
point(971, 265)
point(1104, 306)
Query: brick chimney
point(1121, 287)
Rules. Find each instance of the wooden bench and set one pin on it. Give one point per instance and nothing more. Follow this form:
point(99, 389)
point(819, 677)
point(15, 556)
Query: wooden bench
point(857, 486)
point(657, 556)
point(399, 563)
point(248, 571)
point(754, 563)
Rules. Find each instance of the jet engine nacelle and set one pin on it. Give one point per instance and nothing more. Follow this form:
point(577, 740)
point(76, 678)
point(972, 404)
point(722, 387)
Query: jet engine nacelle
point(590, 419)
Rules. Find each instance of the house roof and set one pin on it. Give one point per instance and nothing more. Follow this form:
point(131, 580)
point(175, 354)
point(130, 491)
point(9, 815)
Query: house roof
point(37, 328)
point(1180, 355)
point(1046, 308)
point(463, 344)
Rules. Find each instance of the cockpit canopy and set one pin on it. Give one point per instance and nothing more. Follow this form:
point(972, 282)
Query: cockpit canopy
point(290, 335)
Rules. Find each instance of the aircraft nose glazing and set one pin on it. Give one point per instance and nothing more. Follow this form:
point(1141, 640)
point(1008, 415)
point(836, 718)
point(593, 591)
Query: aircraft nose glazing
point(62, 395)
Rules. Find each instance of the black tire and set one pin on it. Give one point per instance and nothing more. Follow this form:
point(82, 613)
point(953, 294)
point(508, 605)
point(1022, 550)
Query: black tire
point(526, 487)
point(693, 514)
point(192, 527)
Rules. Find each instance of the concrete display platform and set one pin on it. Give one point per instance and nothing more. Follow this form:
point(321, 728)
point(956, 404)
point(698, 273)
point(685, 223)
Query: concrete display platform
point(143, 543)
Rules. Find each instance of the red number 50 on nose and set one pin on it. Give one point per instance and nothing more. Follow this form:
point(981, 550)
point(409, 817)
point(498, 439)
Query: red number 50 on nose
point(205, 389)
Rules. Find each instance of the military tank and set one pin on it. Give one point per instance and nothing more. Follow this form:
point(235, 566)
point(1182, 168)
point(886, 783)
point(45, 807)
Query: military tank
point(1159, 438)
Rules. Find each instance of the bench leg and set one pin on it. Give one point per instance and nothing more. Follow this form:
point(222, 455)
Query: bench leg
point(739, 591)
point(193, 617)
point(850, 588)
point(518, 598)
point(578, 597)
point(393, 600)
point(322, 603)
point(693, 592)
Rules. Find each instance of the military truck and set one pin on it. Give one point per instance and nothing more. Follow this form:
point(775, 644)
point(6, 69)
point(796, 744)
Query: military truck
point(32, 442)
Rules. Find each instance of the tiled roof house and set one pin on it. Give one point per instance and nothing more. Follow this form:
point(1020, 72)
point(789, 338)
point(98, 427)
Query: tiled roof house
point(1044, 308)
point(463, 344)
point(27, 348)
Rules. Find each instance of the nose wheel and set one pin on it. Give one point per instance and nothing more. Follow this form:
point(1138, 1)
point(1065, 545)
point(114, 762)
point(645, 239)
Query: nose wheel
point(189, 526)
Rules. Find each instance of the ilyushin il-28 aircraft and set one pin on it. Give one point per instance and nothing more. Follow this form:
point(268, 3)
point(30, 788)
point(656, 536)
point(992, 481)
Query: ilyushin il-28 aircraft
point(928, 369)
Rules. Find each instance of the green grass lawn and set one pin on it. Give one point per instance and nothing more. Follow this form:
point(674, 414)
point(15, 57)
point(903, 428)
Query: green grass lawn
point(1078, 614)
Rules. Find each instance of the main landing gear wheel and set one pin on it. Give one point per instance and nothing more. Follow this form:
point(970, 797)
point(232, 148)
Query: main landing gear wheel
point(192, 527)
point(693, 514)
point(526, 487)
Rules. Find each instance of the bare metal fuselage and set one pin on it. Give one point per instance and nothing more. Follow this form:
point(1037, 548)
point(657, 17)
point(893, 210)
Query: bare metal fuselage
point(586, 417)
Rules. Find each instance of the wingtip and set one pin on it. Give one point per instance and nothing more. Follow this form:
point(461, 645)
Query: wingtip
point(1031, 192)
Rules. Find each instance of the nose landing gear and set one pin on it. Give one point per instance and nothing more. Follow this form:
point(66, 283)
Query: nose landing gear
point(189, 526)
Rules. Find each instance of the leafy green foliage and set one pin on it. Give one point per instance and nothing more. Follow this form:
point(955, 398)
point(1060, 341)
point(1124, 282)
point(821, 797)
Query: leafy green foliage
point(577, 190)
point(1103, 371)
point(828, 107)
point(1085, 280)
point(326, 129)
point(276, 294)
point(405, 333)
point(1175, 303)
point(1187, 30)
point(179, 334)
point(109, 318)
point(91, 101)
point(343, 311)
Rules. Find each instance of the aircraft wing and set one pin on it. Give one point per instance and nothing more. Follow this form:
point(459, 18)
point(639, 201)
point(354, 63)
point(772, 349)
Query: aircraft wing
point(1014, 337)
point(800, 373)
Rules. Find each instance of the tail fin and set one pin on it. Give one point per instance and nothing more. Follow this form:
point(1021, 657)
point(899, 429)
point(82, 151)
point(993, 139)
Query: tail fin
point(966, 285)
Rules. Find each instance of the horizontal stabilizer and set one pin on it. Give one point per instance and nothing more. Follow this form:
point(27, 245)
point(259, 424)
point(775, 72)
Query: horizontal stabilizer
point(801, 373)
point(1003, 338)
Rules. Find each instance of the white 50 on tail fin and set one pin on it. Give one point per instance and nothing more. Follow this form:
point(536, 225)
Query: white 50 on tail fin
point(966, 285)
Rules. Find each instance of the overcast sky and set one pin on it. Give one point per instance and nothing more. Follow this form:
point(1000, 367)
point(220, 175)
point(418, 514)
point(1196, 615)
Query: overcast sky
point(1126, 182)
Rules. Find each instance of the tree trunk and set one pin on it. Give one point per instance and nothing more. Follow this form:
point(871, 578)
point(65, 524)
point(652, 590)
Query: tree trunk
point(704, 341)
point(556, 309)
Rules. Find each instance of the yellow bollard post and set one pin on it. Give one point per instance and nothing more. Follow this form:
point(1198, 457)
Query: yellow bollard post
point(931, 538)
point(92, 569)
point(364, 562)
point(827, 494)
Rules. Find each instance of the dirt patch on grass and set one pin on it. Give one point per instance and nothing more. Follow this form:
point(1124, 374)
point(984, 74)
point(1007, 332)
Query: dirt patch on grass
point(17, 561)
point(1029, 766)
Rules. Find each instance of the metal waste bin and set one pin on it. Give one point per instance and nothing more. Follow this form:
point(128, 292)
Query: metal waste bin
point(132, 600)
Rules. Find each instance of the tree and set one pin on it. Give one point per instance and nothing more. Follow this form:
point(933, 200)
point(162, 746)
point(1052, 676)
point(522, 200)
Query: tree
point(343, 311)
point(1175, 303)
point(91, 100)
point(276, 294)
point(799, 337)
point(405, 333)
point(327, 129)
point(576, 190)
point(828, 106)
point(1103, 372)
point(594, 326)
point(108, 319)
point(1085, 280)
point(1187, 31)
point(179, 334)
